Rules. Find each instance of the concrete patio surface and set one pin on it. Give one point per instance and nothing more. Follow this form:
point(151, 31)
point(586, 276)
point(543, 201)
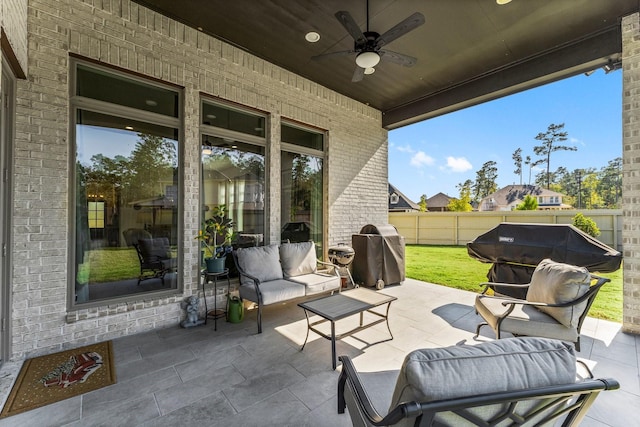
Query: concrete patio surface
point(237, 377)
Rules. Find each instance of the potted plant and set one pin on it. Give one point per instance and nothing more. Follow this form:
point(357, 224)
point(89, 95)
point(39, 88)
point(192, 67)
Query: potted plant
point(216, 236)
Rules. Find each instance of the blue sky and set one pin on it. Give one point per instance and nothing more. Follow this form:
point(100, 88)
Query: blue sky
point(436, 155)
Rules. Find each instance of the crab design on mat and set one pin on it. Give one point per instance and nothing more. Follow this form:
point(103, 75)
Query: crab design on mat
point(77, 369)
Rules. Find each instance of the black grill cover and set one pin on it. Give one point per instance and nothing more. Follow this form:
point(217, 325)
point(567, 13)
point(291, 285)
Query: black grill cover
point(379, 255)
point(516, 249)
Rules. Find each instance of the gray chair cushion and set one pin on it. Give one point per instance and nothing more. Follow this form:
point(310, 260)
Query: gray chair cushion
point(318, 282)
point(523, 320)
point(556, 283)
point(273, 291)
point(298, 258)
point(262, 262)
point(155, 249)
point(504, 365)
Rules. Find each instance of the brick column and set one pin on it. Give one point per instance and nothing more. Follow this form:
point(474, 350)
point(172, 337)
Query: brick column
point(631, 171)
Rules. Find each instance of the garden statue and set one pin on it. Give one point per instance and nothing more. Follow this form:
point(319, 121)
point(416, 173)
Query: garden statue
point(191, 306)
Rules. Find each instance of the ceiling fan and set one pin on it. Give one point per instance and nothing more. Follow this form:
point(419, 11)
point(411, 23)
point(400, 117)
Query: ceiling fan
point(368, 44)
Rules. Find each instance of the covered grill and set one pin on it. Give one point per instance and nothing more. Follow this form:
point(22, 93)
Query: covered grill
point(379, 257)
point(342, 256)
point(516, 249)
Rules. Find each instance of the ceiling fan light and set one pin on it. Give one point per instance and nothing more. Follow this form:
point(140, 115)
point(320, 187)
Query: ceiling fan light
point(367, 59)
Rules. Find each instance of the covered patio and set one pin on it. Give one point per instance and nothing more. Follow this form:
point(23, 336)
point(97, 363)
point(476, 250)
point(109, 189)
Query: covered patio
point(234, 376)
point(202, 60)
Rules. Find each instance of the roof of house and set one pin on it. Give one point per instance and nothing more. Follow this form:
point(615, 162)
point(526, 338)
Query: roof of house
point(439, 200)
point(404, 203)
point(516, 193)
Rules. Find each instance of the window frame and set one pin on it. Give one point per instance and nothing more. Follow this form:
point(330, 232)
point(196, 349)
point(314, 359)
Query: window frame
point(78, 103)
point(322, 154)
point(241, 137)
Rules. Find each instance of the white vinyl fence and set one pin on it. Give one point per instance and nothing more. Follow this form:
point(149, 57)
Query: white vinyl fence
point(458, 228)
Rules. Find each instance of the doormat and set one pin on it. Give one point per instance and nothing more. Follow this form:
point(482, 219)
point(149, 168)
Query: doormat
point(48, 379)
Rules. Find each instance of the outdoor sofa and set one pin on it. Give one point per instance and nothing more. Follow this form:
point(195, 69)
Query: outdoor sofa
point(278, 273)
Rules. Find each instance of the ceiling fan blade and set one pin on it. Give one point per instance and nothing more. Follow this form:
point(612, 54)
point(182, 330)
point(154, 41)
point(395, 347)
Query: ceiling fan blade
point(397, 58)
point(358, 74)
point(330, 54)
point(402, 28)
point(350, 25)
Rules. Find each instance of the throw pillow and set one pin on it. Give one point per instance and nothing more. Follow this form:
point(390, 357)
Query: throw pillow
point(298, 259)
point(556, 283)
point(262, 262)
point(467, 370)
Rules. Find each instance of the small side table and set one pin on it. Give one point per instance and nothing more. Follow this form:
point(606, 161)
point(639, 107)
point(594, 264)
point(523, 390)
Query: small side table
point(216, 313)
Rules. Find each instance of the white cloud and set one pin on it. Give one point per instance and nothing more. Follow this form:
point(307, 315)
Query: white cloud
point(459, 164)
point(405, 149)
point(421, 159)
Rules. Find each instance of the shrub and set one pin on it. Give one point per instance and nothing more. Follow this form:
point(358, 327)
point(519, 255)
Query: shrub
point(586, 224)
point(528, 204)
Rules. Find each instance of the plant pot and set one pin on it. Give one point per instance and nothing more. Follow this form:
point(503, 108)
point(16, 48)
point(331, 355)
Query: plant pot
point(215, 265)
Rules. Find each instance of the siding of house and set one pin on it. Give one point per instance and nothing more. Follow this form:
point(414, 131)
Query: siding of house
point(126, 35)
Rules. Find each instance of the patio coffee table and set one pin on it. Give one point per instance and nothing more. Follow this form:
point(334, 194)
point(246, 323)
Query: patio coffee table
point(341, 305)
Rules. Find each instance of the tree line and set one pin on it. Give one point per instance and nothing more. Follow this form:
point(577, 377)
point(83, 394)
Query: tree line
point(583, 188)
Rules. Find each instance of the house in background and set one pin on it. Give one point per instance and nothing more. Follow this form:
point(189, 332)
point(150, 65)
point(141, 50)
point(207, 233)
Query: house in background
point(438, 203)
point(507, 198)
point(398, 202)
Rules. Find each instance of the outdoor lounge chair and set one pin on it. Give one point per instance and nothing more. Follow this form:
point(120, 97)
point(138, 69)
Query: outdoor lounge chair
point(515, 381)
point(557, 301)
point(154, 254)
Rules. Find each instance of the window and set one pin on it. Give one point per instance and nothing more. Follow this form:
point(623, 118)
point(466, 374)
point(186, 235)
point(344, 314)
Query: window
point(127, 188)
point(302, 180)
point(233, 169)
point(394, 199)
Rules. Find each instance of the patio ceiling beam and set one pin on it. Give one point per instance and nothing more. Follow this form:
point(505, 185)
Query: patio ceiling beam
point(564, 61)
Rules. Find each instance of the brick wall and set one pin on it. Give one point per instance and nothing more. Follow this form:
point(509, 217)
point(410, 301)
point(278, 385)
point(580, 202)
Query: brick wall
point(127, 35)
point(631, 171)
point(13, 20)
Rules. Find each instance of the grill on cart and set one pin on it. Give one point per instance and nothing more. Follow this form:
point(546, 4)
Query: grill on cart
point(379, 257)
point(342, 256)
point(516, 249)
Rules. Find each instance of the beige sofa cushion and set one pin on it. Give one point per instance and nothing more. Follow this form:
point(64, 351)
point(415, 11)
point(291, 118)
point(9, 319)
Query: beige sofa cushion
point(262, 262)
point(298, 259)
point(556, 283)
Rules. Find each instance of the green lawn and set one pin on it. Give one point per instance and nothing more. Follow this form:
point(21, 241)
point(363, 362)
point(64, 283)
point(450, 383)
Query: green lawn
point(113, 264)
point(452, 266)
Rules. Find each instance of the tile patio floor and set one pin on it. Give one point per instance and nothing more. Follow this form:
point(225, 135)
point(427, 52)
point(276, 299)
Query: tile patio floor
point(235, 377)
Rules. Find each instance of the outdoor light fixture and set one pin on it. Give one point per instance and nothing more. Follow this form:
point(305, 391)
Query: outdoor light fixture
point(612, 66)
point(367, 59)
